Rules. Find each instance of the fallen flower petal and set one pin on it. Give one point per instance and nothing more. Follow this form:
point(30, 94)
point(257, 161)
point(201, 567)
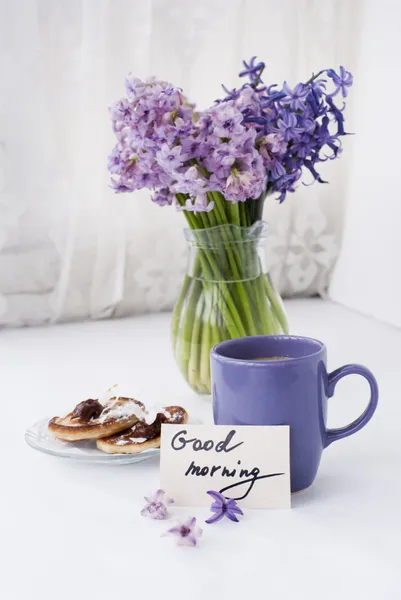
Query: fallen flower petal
point(223, 507)
point(156, 505)
point(214, 518)
point(186, 533)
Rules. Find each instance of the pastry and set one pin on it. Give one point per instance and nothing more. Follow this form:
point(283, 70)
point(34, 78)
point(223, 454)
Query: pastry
point(92, 420)
point(142, 436)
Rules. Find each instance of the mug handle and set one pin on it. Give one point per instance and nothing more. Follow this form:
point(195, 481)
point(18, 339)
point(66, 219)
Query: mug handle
point(333, 378)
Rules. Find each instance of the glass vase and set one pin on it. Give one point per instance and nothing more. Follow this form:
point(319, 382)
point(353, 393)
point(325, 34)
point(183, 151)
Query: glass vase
point(227, 293)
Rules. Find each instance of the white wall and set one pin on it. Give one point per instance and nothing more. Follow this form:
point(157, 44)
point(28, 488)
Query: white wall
point(368, 274)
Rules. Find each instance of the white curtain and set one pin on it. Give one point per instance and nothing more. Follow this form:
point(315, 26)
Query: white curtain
point(367, 276)
point(69, 247)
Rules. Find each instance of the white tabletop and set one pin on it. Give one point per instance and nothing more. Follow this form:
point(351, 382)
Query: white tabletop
point(71, 530)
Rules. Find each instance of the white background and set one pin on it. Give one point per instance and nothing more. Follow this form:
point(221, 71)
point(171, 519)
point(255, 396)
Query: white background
point(367, 277)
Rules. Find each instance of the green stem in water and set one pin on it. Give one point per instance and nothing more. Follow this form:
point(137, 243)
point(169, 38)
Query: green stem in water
point(195, 348)
point(177, 312)
point(276, 303)
point(212, 273)
point(226, 294)
point(183, 347)
point(206, 341)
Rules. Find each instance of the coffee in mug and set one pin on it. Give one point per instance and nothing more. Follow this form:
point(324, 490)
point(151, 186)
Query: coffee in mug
point(266, 358)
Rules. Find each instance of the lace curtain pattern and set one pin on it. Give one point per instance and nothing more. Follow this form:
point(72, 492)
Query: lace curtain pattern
point(69, 247)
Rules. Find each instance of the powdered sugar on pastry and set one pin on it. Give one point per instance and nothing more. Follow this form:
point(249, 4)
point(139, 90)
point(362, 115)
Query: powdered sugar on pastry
point(118, 409)
point(150, 416)
point(123, 442)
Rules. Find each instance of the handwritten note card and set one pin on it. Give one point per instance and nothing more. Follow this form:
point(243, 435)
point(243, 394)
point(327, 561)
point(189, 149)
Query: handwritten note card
point(249, 464)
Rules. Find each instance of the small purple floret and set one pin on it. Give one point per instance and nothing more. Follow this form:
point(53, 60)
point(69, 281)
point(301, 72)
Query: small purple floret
point(186, 533)
point(156, 506)
point(223, 507)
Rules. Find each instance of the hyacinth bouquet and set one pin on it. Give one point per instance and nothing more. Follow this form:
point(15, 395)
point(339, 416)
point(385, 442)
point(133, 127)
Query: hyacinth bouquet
point(217, 166)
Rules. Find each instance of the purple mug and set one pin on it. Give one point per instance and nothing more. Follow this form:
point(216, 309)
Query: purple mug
point(290, 391)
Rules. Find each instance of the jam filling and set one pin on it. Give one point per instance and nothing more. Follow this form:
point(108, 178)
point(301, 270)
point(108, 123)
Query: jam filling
point(87, 410)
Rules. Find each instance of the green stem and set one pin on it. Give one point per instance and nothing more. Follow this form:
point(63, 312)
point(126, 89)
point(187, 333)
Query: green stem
point(276, 303)
point(233, 252)
point(206, 342)
point(243, 215)
point(212, 273)
point(177, 312)
point(183, 348)
point(195, 349)
point(226, 295)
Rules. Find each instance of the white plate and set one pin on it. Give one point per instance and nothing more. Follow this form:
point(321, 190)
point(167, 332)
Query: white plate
point(38, 437)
